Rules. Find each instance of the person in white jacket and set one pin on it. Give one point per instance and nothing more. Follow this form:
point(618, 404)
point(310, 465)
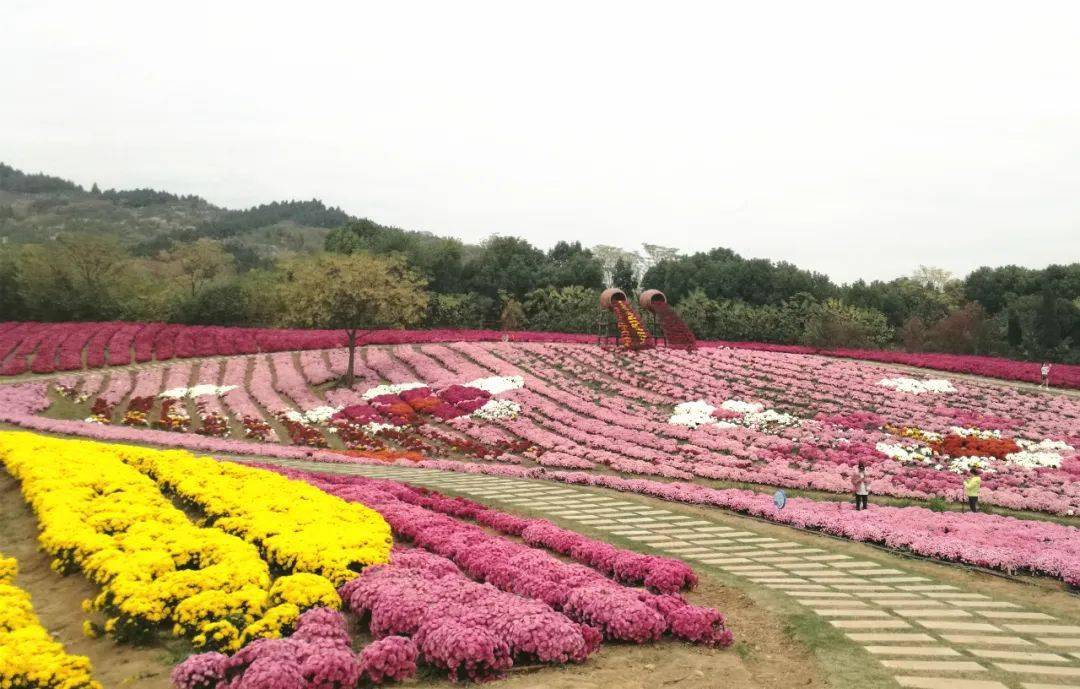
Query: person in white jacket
point(861, 486)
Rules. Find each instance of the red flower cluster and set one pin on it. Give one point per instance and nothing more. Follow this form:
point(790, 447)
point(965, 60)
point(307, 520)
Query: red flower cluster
point(954, 445)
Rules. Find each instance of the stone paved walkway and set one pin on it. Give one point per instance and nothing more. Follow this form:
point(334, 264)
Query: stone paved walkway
point(929, 634)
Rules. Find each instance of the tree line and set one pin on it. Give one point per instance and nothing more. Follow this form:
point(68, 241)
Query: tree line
point(507, 282)
point(210, 273)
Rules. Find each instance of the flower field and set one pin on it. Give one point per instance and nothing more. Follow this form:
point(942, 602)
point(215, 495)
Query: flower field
point(29, 657)
point(259, 582)
point(57, 347)
point(664, 422)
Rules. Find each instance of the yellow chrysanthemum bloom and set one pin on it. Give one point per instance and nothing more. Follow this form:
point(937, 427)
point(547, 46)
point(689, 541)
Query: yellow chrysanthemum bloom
point(29, 657)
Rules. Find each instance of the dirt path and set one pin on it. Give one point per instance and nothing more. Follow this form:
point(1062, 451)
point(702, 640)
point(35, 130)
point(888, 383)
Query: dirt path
point(57, 601)
point(870, 619)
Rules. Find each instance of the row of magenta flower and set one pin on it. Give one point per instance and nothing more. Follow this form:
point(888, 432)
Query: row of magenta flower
point(463, 600)
point(563, 416)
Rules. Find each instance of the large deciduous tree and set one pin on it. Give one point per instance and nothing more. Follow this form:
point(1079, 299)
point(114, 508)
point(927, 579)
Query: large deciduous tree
point(352, 292)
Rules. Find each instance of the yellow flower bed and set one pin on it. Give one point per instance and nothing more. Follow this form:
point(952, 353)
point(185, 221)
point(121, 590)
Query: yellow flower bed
point(298, 528)
point(155, 567)
point(29, 657)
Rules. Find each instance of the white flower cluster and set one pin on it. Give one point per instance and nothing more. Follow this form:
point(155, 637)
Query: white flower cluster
point(918, 387)
point(962, 465)
point(974, 433)
point(692, 414)
point(741, 407)
point(753, 415)
point(496, 385)
point(498, 410)
point(196, 391)
point(318, 415)
point(907, 454)
point(391, 389)
point(1044, 453)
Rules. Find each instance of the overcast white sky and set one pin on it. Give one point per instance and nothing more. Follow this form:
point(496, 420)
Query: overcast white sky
point(856, 138)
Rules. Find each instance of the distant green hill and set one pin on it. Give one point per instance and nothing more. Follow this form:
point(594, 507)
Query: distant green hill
point(37, 207)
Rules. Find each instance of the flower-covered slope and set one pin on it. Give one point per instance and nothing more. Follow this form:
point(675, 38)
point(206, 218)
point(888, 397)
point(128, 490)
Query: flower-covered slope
point(784, 420)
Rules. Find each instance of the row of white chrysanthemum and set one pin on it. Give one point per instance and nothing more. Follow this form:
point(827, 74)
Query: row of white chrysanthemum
point(741, 413)
point(918, 387)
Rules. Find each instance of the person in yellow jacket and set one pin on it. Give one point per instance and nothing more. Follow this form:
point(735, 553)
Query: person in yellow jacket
point(972, 484)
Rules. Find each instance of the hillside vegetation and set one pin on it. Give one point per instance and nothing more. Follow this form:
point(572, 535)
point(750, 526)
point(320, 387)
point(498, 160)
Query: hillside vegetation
point(71, 253)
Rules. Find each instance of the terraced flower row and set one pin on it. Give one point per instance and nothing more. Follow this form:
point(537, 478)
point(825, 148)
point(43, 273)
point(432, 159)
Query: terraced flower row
point(254, 586)
point(156, 569)
point(29, 656)
point(778, 420)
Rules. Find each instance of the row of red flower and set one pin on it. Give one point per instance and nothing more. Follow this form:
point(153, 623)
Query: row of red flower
point(48, 347)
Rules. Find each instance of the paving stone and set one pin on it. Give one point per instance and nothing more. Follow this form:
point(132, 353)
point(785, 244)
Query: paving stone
point(889, 637)
point(801, 588)
point(851, 564)
point(755, 569)
point(631, 532)
point(916, 603)
point(934, 665)
point(1055, 670)
point(900, 580)
point(696, 523)
point(737, 549)
point(823, 602)
point(974, 604)
point(707, 541)
point(713, 529)
point(1063, 642)
point(594, 522)
point(687, 551)
point(931, 587)
point(935, 613)
point(832, 579)
point(874, 572)
point(957, 595)
point(851, 612)
point(1040, 685)
point(757, 539)
point(638, 520)
point(1028, 656)
point(925, 651)
point(776, 559)
point(869, 624)
point(772, 546)
point(985, 640)
point(864, 588)
point(951, 626)
point(1044, 628)
point(892, 596)
point(946, 683)
point(767, 580)
point(835, 594)
point(722, 560)
point(1014, 615)
point(827, 558)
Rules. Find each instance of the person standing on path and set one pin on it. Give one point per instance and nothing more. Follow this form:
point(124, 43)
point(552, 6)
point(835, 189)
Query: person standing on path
point(862, 488)
point(1045, 376)
point(971, 489)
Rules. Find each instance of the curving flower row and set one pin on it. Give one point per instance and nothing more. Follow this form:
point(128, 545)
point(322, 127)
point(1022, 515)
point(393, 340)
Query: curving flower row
point(103, 518)
point(29, 656)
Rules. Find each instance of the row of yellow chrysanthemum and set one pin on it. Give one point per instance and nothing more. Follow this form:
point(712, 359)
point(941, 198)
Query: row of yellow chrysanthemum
point(100, 512)
point(29, 657)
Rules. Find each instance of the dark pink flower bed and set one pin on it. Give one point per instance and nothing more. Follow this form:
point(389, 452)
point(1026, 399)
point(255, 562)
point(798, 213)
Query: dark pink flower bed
point(49, 347)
